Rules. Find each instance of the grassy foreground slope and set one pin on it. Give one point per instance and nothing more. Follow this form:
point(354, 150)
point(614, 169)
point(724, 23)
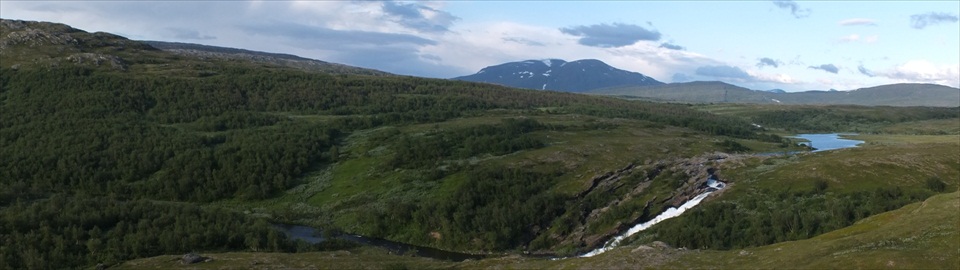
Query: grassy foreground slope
point(920, 235)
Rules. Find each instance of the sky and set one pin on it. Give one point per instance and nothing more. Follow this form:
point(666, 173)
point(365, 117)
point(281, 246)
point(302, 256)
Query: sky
point(789, 45)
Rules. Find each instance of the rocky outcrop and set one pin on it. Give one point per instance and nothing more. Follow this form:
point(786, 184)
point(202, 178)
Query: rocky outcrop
point(25, 43)
point(97, 59)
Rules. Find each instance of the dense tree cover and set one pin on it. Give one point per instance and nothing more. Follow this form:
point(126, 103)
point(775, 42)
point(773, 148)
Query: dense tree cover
point(510, 136)
point(496, 208)
point(732, 146)
point(72, 231)
point(772, 217)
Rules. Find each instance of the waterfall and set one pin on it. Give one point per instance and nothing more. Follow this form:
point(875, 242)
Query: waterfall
point(669, 213)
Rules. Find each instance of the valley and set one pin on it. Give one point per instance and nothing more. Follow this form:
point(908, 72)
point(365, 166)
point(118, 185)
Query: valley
point(117, 153)
point(916, 235)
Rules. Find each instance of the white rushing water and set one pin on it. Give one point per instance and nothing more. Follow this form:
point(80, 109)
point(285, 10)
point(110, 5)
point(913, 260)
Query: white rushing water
point(669, 213)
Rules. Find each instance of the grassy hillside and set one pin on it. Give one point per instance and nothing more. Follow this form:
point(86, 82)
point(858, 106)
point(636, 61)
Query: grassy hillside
point(845, 118)
point(906, 94)
point(777, 199)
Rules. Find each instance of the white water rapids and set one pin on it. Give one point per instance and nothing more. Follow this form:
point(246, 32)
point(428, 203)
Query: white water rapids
point(669, 213)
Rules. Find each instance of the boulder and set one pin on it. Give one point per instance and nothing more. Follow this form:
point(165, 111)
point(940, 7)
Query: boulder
point(191, 258)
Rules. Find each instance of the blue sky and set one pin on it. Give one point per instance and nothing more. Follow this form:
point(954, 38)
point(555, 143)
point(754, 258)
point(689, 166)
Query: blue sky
point(791, 45)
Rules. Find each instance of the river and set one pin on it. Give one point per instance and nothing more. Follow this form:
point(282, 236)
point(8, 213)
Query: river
point(310, 235)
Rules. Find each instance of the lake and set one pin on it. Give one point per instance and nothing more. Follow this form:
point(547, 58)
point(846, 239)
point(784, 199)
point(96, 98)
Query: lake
point(826, 142)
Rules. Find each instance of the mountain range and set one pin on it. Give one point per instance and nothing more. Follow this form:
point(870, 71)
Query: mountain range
point(582, 76)
point(904, 94)
point(596, 77)
point(555, 74)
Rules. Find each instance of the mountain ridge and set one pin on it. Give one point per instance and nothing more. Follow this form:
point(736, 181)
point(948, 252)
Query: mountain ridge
point(900, 94)
point(282, 59)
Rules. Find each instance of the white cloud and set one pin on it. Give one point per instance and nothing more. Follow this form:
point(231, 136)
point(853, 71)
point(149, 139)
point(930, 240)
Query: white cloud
point(472, 47)
point(773, 78)
point(857, 21)
point(857, 38)
point(922, 71)
point(654, 61)
point(850, 38)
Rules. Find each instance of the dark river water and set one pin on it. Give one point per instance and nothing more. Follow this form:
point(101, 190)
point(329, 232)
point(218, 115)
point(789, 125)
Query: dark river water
point(311, 235)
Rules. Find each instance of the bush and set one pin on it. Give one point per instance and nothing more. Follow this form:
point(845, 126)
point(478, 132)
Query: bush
point(935, 184)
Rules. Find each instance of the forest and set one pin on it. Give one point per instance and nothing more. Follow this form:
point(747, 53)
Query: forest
point(149, 146)
point(101, 163)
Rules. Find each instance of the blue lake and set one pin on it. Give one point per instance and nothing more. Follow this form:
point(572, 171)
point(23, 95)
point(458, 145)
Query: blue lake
point(825, 142)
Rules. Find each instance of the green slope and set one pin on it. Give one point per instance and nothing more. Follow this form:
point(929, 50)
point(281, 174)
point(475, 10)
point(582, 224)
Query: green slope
point(922, 235)
point(904, 94)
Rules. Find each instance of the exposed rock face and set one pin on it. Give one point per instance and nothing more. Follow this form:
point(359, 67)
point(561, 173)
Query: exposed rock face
point(52, 44)
point(98, 60)
point(694, 170)
point(39, 34)
point(18, 32)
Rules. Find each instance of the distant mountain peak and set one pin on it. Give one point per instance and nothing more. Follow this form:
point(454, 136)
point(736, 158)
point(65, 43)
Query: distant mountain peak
point(557, 74)
point(778, 91)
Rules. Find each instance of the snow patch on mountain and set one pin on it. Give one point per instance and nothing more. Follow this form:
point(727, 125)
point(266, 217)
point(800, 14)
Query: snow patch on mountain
point(553, 74)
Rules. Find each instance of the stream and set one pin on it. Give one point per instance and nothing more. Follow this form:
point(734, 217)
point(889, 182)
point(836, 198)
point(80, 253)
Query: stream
point(672, 212)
